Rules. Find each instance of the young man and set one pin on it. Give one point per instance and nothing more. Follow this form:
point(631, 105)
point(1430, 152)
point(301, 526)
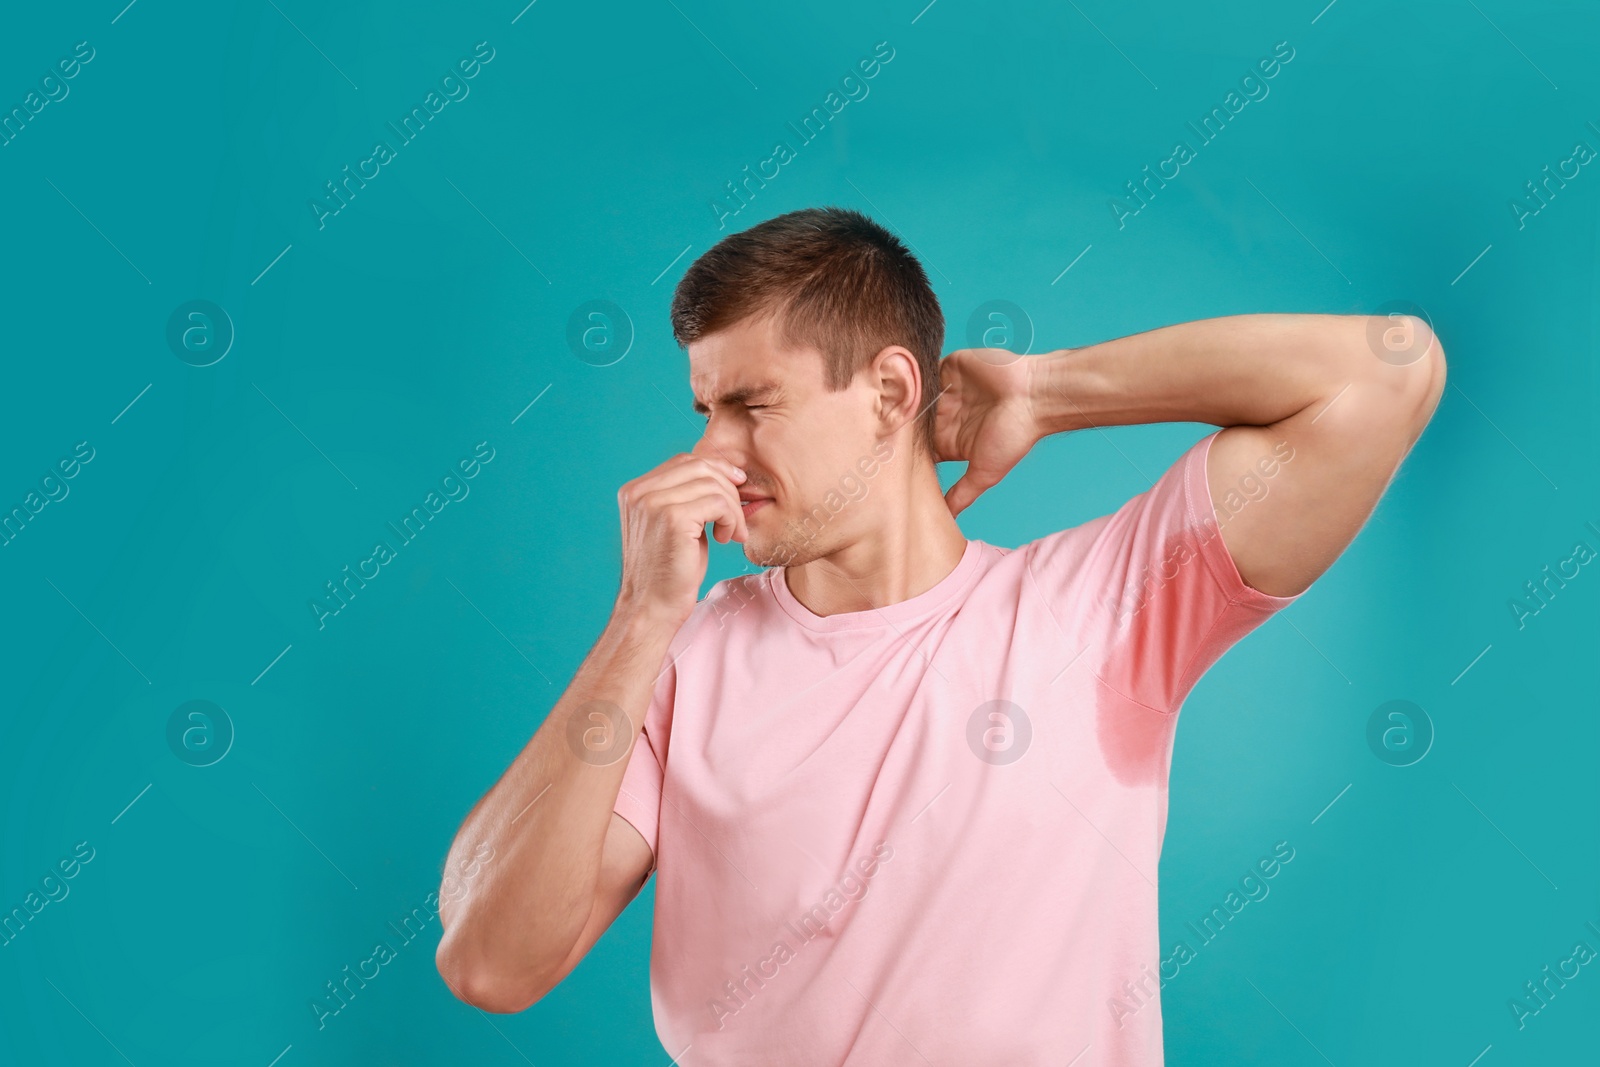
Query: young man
point(904, 792)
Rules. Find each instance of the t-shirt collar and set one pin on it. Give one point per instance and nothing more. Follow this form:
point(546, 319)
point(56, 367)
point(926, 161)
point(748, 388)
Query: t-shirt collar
point(927, 601)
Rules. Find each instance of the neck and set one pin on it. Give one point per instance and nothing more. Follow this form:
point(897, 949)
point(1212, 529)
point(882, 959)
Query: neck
point(913, 545)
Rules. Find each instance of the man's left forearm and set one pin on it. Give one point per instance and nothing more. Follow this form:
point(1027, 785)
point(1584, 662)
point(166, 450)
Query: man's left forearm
point(1239, 369)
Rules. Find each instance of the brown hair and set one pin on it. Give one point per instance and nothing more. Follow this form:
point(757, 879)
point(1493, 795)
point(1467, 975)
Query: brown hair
point(837, 281)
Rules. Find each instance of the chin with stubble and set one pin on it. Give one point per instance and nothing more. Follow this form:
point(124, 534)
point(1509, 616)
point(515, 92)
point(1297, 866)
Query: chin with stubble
point(796, 546)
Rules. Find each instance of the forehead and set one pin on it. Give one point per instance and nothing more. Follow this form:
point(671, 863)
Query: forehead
point(747, 363)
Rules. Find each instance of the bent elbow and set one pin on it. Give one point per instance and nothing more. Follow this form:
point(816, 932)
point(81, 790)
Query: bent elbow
point(483, 987)
point(497, 997)
point(1409, 373)
point(1434, 374)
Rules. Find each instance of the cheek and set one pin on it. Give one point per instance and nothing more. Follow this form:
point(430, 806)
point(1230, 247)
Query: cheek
point(805, 452)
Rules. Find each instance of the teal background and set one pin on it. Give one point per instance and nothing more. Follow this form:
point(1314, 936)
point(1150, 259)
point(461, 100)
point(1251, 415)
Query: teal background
point(431, 311)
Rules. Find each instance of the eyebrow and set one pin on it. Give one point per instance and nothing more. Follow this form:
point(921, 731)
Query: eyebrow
point(759, 391)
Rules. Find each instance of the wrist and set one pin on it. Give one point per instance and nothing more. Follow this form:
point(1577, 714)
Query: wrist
point(635, 622)
point(1051, 396)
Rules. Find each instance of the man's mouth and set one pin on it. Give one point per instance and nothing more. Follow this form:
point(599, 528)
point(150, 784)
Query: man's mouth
point(750, 505)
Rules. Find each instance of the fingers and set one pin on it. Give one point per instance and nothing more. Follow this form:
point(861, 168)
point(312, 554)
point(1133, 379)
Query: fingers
point(696, 489)
point(681, 468)
point(717, 463)
point(959, 496)
point(677, 471)
point(715, 507)
point(968, 488)
point(728, 522)
point(705, 498)
point(687, 479)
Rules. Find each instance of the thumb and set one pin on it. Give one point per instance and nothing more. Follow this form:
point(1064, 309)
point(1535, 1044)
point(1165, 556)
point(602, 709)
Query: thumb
point(967, 489)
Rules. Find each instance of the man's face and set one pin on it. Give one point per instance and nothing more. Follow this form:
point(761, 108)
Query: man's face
point(807, 451)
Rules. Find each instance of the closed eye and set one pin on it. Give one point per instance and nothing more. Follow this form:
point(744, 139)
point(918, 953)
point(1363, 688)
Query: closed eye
point(748, 407)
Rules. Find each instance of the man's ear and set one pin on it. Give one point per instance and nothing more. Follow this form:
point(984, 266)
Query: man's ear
point(898, 379)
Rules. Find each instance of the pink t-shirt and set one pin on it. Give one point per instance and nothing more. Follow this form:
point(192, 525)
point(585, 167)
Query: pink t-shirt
point(929, 832)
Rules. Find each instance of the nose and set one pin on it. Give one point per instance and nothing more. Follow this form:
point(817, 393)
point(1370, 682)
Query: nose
point(716, 443)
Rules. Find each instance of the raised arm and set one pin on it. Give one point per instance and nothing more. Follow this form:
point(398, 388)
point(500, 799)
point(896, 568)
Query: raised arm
point(1319, 408)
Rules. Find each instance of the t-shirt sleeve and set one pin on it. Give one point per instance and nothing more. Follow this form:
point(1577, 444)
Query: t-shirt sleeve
point(639, 800)
point(1152, 586)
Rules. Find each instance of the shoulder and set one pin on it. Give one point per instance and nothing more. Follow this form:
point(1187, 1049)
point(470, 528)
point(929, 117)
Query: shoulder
point(737, 602)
